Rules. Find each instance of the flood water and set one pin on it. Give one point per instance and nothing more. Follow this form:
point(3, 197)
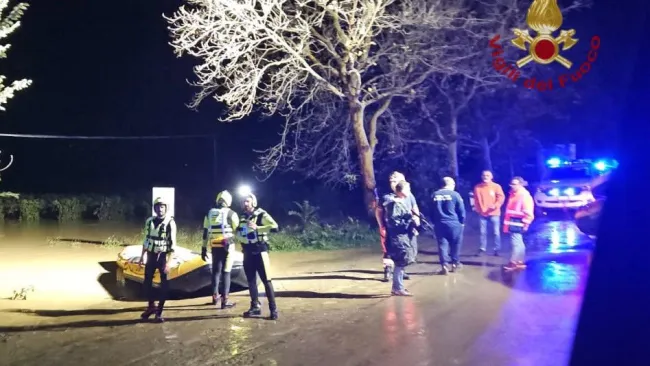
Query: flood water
point(333, 307)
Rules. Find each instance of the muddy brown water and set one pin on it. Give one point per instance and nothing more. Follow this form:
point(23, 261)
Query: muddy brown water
point(333, 308)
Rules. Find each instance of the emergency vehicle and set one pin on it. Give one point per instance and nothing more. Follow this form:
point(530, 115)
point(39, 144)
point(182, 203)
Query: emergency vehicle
point(567, 183)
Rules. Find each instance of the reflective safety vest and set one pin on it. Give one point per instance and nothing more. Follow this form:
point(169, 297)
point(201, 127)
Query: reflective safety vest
point(158, 238)
point(220, 224)
point(265, 225)
point(519, 212)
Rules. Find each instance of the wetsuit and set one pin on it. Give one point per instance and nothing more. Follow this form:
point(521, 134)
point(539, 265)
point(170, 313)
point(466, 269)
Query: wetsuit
point(256, 257)
point(158, 245)
point(219, 226)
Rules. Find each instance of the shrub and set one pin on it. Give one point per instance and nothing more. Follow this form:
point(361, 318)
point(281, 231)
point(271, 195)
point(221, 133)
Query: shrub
point(348, 234)
point(7, 200)
point(306, 213)
point(69, 208)
point(30, 209)
point(114, 209)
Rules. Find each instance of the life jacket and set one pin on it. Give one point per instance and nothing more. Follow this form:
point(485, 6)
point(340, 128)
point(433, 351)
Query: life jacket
point(519, 211)
point(248, 236)
point(220, 226)
point(158, 238)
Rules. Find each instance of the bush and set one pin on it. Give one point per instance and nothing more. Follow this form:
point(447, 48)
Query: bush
point(30, 209)
point(348, 234)
point(7, 201)
point(69, 208)
point(114, 209)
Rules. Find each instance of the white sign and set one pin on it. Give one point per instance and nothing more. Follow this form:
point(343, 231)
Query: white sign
point(165, 193)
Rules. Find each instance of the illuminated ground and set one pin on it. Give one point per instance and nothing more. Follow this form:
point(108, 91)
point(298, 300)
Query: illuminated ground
point(333, 310)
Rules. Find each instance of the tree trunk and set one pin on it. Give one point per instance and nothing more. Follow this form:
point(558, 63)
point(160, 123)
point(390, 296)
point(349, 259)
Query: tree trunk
point(366, 153)
point(541, 161)
point(487, 154)
point(452, 147)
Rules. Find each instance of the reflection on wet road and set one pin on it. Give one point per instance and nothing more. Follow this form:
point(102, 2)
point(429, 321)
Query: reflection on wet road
point(334, 312)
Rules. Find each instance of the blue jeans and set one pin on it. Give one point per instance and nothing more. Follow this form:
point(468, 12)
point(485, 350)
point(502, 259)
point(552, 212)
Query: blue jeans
point(518, 247)
point(398, 278)
point(449, 237)
point(495, 223)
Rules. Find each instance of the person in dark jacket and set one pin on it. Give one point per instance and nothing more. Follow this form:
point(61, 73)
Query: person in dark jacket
point(400, 222)
point(448, 220)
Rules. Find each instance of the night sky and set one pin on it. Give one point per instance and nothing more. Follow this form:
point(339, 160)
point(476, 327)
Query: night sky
point(105, 68)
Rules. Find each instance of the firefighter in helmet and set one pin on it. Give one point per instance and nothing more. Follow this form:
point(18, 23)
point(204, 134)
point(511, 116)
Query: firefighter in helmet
point(159, 242)
point(253, 231)
point(219, 226)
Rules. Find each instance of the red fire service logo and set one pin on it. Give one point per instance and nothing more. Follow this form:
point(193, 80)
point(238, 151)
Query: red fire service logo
point(544, 17)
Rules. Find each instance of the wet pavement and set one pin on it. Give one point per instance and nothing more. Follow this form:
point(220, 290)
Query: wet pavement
point(334, 310)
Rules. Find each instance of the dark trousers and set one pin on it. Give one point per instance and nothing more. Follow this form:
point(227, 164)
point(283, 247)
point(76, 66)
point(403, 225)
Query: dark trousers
point(220, 266)
point(156, 261)
point(258, 264)
point(449, 237)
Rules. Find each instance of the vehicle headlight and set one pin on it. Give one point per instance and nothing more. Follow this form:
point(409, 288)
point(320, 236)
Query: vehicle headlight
point(570, 191)
point(554, 192)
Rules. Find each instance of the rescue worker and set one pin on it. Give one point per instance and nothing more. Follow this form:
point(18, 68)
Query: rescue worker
point(253, 231)
point(519, 215)
point(448, 221)
point(394, 178)
point(159, 242)
point(488, 199)
point(219, 227)
point(400, 222)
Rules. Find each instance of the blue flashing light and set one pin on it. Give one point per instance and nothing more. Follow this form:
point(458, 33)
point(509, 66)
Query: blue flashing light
point(605, 165)
point(554, 162)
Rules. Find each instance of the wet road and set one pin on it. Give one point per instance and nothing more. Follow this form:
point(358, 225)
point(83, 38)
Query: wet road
point(335, 311)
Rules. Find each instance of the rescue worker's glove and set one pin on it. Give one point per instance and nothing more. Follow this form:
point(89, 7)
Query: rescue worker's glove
point(204, 254)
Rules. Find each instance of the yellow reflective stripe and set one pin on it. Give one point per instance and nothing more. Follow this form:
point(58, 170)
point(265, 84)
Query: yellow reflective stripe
point(512, 223)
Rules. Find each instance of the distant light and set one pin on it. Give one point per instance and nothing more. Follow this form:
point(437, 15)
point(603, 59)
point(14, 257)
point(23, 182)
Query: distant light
point(244, 190)
point(570, 191)
point(554, 192)
point(554, 162)
point(555, 181)
point(601, 166)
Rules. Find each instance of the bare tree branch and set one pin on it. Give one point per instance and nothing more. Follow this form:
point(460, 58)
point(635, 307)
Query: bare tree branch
point(333, 68)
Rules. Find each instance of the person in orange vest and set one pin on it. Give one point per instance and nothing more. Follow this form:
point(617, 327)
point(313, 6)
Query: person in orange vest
point(488, 199)
point(519, 215)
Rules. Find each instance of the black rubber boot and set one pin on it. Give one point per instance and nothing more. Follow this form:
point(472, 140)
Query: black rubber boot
point(159, 310)
point(254, 311)
point(387, 274)
point(151, 309)
point(215, 299)
point(274, 315)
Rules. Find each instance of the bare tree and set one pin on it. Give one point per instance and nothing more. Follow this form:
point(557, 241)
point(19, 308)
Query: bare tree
point(8, 24)
point(456, 104)
point(333, 68)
